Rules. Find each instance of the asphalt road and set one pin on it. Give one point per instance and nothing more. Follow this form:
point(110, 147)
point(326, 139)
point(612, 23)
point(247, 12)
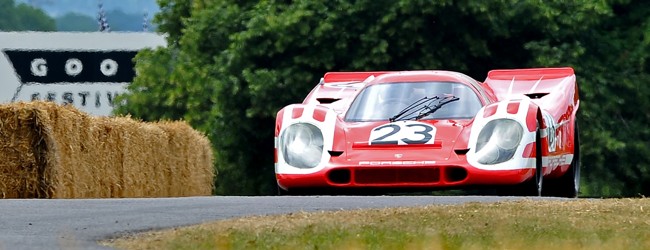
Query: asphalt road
point(80, 223)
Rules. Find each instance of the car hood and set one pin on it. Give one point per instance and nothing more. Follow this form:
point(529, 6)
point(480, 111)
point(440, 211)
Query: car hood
point(402, 142)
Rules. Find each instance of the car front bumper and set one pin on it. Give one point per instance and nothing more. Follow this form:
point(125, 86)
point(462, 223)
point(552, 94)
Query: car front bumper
point(423, 176)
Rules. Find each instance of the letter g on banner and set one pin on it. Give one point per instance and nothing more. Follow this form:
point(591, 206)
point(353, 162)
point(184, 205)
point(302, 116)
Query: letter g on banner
point(39, 67)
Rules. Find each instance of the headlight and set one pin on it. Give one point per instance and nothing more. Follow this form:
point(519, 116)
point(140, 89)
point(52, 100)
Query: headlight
point(498, 141)
point(302, 145)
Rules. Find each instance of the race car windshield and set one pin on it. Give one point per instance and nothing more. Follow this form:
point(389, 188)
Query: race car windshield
point(387, 100)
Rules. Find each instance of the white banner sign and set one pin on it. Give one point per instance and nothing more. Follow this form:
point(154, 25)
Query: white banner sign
point(87, 70)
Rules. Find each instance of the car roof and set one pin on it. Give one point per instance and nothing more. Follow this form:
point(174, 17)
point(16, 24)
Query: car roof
point(422, 76)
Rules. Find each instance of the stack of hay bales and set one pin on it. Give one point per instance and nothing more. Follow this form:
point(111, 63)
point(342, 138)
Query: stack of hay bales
point(51, 151)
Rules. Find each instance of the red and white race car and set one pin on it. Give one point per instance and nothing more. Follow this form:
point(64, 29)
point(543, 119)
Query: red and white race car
point(516, 131)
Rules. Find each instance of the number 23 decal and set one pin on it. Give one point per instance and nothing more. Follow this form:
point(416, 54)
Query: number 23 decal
point(402, 133)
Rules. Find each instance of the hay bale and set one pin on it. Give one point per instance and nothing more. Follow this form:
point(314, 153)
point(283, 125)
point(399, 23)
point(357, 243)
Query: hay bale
point(23, 152)
point(71, 145)
point(145, 152)
point(194, 151)
point(59, 152)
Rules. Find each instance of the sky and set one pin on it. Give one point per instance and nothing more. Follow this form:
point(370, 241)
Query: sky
point(56, 8)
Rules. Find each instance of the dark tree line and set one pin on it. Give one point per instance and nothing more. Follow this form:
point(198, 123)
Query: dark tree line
point(230, 65)
point(19, 17)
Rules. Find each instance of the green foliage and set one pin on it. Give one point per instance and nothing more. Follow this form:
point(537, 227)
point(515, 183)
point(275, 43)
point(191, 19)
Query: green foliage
point(615, 75)
point(231, 65)
point(23, 17)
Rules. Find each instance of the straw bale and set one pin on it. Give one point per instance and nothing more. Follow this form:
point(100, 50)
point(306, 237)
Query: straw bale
point(22, 152)
point(144, 155)
point(53, 151)
point(70, 129)
point(195, 152)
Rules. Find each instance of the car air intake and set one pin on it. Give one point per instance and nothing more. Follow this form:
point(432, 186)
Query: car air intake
point(396, 175)
point(536, 95)
point(327, 100)
point(461, 151)
point(339, 176)
point(335, 153)
point(455, 174)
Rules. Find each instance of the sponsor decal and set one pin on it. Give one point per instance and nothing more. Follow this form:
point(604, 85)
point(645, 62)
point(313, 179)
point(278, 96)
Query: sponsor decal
point(555, 161)
point(551, 133)
point(395, 163)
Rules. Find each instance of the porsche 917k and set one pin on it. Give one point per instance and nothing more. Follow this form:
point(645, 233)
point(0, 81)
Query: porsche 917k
point(516, 131)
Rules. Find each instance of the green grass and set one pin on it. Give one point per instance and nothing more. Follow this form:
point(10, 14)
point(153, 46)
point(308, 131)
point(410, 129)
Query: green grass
point(570, 224)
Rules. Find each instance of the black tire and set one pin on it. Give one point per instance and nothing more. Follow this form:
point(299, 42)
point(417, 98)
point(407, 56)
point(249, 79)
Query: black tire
point(569, 184)
point(538, 181)
point(282, 192)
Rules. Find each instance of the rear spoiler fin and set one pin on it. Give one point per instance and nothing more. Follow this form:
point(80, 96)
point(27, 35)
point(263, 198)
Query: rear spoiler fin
point(530, 74)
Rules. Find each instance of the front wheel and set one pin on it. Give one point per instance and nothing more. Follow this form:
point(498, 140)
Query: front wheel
point(569, 184)
point(282, 192)
point(536, 186)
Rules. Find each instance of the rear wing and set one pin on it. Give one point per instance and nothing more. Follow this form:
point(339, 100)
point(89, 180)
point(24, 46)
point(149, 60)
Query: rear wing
point(533, 82)
point(332, 77)
point(530, 74)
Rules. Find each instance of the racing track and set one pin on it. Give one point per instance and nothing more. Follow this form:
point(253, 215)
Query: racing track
point(79, 223)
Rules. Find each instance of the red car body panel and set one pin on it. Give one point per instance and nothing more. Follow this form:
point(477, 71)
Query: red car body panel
point(548, 96)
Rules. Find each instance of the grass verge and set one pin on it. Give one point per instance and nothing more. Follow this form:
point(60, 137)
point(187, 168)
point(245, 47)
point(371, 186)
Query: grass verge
point(527, 224)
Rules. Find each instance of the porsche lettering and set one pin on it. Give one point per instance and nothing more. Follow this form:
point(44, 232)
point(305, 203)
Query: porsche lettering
point(395, 163)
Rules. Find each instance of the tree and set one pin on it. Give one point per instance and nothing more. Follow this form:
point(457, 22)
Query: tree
point(614, 72)
point(23, 17)
point(230, 65)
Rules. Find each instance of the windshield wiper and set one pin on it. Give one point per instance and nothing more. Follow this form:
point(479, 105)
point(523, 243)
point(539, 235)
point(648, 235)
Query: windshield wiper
point(423, 107)
point(412, 107)
point(434, 108)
